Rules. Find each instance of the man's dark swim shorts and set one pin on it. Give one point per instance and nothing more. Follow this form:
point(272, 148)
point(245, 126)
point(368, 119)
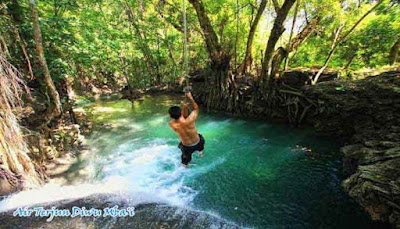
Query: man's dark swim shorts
point(187, 151)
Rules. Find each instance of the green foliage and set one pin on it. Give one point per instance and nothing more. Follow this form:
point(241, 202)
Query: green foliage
point(141, 40)
point(368, 46)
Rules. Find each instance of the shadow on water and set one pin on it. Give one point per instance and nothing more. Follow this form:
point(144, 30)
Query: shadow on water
point(74, 171)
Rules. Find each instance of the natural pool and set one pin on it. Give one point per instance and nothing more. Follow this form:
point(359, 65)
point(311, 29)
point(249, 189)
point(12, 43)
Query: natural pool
point(254, 174)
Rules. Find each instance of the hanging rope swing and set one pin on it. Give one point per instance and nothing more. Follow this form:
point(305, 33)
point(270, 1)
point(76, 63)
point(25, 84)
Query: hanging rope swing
point(188, 88)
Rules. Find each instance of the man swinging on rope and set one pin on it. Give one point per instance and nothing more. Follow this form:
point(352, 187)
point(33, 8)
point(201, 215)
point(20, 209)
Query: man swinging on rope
point(184, 126)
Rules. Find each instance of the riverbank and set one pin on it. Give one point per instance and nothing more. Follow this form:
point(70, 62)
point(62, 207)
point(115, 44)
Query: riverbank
point(367, 114)
point(52, 146)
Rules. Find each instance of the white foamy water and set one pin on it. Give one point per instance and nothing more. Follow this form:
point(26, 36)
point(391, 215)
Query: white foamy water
point(147, 174)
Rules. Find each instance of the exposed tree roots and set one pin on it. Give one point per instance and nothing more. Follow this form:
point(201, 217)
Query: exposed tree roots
point(278, 101)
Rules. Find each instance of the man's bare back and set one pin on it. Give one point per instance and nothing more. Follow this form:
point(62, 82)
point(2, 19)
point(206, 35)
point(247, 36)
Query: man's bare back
point(186, 131)
point(185, 127)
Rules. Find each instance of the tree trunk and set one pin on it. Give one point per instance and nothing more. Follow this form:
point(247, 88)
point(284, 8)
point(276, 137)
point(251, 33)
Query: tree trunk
point(304, 34)
point(350, 60)
point(276, 33)
point(222, 90)
point(15, 13)
point(276, 5)
point(22, 44)
point(394, 53)
point(282, 53)
point(330, 55)
point(213, 47)
point(291, 33)
point(219, 58)
point(3, 47)
point(248, 56)
point(42, 60)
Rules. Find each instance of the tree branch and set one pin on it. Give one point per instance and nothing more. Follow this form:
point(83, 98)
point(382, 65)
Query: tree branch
point(276, 5)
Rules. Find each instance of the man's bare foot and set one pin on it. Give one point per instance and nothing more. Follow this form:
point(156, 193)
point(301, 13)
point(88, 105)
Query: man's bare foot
point(201, 154)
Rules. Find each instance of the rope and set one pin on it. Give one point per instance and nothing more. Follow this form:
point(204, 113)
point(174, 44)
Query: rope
point(236, 35)
point(185, 49)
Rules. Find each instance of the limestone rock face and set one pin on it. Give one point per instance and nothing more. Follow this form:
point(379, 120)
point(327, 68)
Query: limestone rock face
point(367, 114)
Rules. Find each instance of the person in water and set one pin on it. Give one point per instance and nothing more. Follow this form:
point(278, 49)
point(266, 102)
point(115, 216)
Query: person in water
point(184, 125)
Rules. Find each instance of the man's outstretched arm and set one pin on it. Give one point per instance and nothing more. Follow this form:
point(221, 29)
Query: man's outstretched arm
point(185, 112)
point(195, 107)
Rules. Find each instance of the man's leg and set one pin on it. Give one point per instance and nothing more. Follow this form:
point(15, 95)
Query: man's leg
point(186, 158)
point(201, 146)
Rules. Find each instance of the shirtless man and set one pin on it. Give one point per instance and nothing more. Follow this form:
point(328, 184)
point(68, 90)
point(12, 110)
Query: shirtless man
point(184, 126)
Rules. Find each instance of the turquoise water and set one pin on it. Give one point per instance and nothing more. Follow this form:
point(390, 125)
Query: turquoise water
point(254, 174)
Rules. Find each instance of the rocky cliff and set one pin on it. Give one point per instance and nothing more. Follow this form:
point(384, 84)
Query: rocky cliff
point(366, 113)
